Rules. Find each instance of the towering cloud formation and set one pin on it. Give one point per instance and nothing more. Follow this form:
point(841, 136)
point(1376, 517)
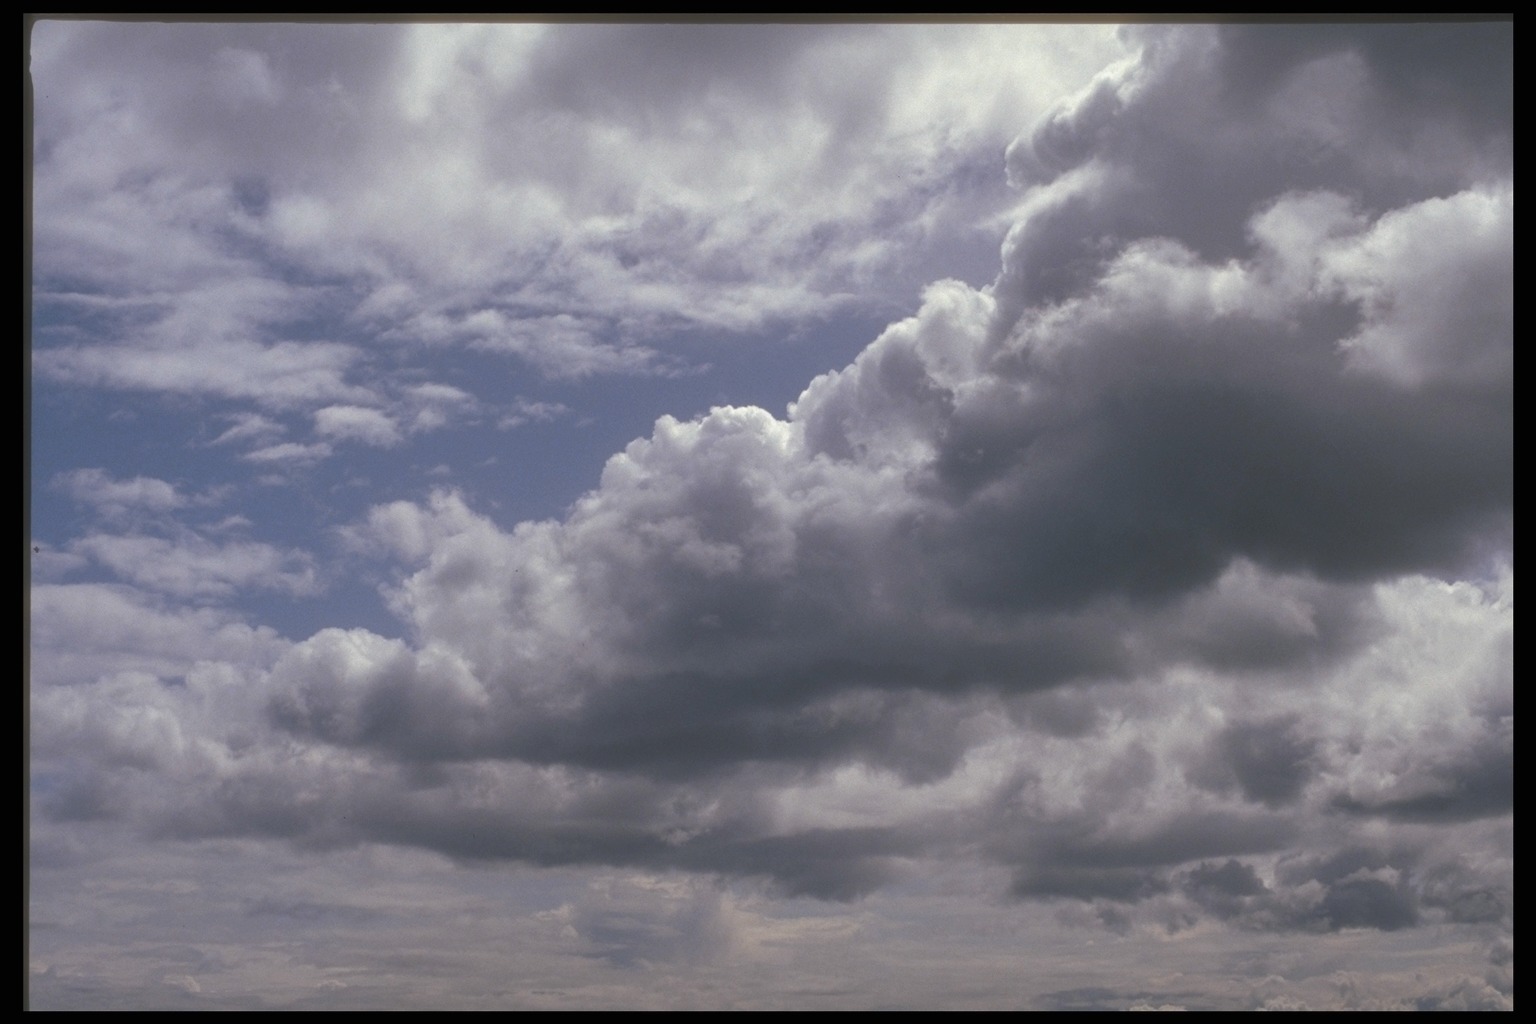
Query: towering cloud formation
point(1171, 574)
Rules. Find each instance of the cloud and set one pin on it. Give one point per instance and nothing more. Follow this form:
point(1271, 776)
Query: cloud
point(431, 406)
point(996, 514)
point(250, 427)
point(290, 452)
point(193, 567)
point(1167, 579)
point(1267, 760)
point(116, 498)
point(525, 411)
point(84, 632)
point(560, 346)
point(400, 410)
point(636, 921)
point(140, 538)
point(281, 375)
point(579, 225)
point(356, 423)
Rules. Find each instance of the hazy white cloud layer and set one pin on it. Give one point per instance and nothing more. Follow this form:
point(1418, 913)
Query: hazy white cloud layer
point(567, 197)
point(1134, 630)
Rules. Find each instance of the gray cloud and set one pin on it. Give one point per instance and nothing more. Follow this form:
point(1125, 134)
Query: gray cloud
point(1475, 781)
point(1084, 860)
point(1215, 122)
point(1112, 575)
point(1268, 761)
point(633, 925)
point(996, 522)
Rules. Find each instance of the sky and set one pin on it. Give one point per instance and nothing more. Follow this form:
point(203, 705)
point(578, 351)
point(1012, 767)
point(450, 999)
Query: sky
point(826, 516)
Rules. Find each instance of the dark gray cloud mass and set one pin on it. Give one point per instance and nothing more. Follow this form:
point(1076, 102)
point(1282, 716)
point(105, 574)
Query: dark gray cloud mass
point(1170, 575)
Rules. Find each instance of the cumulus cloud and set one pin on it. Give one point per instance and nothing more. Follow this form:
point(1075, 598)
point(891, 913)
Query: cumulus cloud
point(1168, 577)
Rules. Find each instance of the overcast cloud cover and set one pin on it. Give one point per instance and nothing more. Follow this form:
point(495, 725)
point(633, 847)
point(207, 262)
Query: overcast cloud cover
point(487, 552)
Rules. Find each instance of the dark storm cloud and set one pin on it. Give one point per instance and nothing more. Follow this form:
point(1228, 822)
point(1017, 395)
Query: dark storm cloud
point(829, 864)
point(1475, 781)
point(1267, 760)
point(1465, 895)
point(1126, 885)
point(1312, 896)
point(1364, 888)
point(1224, 889)
point(1233, 891)
point(1084, 860)
point(692, 724)
point(548, 817)
point(1367, 903)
